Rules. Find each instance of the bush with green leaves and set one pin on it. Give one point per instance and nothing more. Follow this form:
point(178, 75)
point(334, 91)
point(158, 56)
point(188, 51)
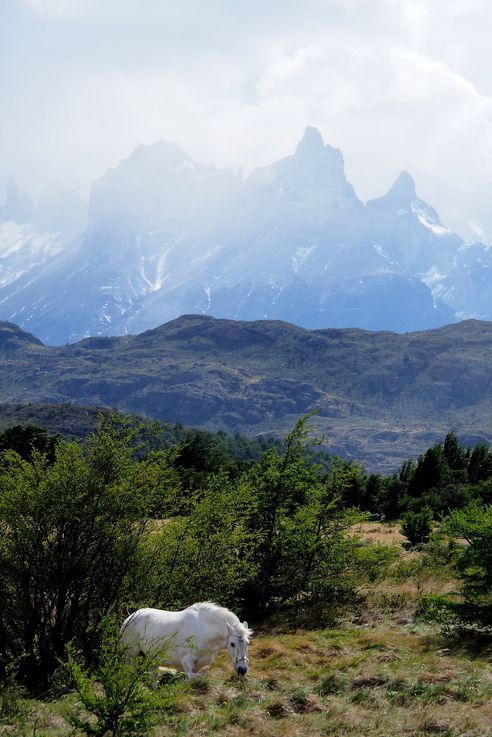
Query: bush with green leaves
point(474, 565)
point(469, 608)
point(208, 552)
point(116, 696)
point(12, 695)
point(417, 526)
point(72, 543)
point(302, 549)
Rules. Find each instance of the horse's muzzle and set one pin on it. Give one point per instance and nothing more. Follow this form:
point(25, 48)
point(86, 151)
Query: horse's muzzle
point(242, 670)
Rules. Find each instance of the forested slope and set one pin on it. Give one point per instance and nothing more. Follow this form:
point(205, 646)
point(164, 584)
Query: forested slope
point(381, 397)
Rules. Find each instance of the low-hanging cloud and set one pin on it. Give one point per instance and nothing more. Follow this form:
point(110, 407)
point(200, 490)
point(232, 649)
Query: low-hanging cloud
point(396, 84)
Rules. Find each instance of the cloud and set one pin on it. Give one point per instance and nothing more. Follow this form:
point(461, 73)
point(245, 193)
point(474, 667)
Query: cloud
point(395, 108)
point(394, 83)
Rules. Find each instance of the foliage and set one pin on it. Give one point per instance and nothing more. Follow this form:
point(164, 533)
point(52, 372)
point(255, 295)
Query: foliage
point(116, 696)
point(274, 534)
point(374, 561)
point(200, 453)
point(455, 455)
point(299, 523)
point(446, 477)
point(417, 526)
point(25, 439)
point(206, 553)
point(432, 472)
point(12, 694)
point(470, 608)
point(480, 465)
point(439, 609)
point(72, 543)
point(474, 565)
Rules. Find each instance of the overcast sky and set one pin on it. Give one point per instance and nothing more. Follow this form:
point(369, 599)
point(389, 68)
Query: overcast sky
point(395, 84)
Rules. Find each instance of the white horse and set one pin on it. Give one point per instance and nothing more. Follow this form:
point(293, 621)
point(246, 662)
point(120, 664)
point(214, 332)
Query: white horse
point(187, 640)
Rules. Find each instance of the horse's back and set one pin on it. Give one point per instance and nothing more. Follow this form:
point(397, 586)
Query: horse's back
point(141, 615)
point(150, 625)
point(157, 630)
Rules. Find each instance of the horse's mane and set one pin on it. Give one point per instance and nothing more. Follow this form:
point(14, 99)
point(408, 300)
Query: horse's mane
point(233, 619)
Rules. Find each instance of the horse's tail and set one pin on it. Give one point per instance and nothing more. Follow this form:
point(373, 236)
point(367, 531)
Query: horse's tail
point(128, 621)
point(129, 638)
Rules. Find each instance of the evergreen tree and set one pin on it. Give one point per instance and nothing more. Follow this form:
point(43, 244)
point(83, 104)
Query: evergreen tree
point(432, 472)
point(454, 454)
point(480, 464)
point(24, 439)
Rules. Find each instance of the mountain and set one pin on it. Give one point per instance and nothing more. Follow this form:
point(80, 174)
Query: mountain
point(60, 210)
point(467, 286)
point(167, 236)
point(382, 397)
point(18, 205)
point(34, 241)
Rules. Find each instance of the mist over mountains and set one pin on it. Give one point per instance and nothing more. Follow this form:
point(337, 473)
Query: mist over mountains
point(164, 236)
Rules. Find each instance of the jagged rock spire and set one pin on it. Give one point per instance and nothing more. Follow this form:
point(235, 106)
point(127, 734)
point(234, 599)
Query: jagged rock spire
point(310, 143)
point(403, 188)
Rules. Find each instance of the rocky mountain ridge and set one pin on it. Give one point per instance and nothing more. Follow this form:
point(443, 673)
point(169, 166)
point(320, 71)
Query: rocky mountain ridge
point(167, 236)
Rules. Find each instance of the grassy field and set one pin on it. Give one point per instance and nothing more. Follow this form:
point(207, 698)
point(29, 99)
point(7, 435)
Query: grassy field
point(378, 673)
point(351, 681)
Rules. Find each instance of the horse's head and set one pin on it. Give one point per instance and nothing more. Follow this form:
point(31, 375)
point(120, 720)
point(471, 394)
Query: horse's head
point(237, 647)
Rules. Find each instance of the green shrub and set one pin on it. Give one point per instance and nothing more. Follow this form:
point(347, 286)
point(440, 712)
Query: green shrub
point(417, 526)
point(72, 544)
point(440, 609)
point(12, 695)
point(116, 696)
point(474, 565)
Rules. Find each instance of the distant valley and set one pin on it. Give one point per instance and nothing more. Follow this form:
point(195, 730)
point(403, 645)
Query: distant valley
point(381, 397)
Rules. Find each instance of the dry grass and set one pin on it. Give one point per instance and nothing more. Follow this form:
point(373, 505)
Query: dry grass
point(388, 533)
point(383, 681)
point(379, 675)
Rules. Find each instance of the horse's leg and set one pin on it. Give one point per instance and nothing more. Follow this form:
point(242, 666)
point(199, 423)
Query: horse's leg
point(131, 654)
point(154, 672)
point(188, 663)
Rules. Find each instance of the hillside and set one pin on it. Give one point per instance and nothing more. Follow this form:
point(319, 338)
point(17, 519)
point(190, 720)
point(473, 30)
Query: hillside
point(63, 419)
point(381, 397)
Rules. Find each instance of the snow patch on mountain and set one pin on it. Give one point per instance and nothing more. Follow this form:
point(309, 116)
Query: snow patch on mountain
point(424, 218)
point(301, 255)
point(22, 249)
point(433, 276)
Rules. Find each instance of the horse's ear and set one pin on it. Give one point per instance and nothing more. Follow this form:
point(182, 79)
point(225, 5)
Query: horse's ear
point(230, 628)
point(245, 624)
